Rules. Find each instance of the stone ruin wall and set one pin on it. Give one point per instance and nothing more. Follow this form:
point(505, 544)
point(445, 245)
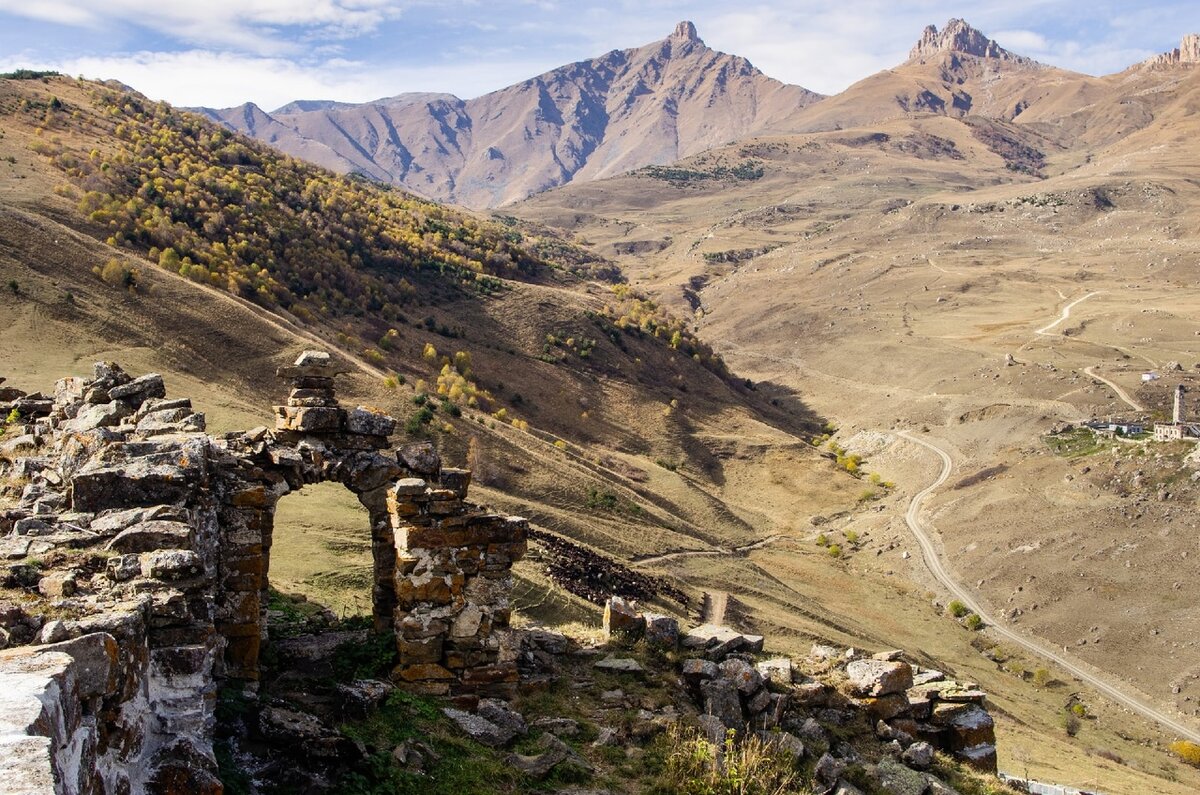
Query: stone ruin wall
point(144, 546)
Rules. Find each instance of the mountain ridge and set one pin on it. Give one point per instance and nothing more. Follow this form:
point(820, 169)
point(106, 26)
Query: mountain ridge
point(625, 109)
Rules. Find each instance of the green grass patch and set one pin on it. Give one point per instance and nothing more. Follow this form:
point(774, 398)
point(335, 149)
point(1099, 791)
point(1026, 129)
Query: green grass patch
point(1075, 443)
point(464, 766)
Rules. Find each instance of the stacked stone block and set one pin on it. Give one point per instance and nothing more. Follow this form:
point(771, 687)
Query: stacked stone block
point(124, 680)
point(452, 581)
point(312, 408)
point(120, 698)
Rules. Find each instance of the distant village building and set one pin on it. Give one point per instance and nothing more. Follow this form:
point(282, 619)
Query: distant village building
point(1178, 428)
point(1116, 427)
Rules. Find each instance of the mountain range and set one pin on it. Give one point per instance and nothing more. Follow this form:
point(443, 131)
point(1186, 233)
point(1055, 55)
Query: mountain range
point(655, 104)
point(587, 120)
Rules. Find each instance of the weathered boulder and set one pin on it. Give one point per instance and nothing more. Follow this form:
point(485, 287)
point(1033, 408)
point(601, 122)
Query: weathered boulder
point(480, 729)
point(139, 390)
point(555, 753)
point(662, 631)
point(721, 701)
point(421, 458)
point(970, 723)
point(619, 665)
point(151, 535)
point(358, 699)
point(878, 677)
point(104, 415)
point(788, 743)
point(828, 769)
point(718, 641)
point(919, 755)
point(502, 716)
point(696, 671)
point(744, 676)
point(369, 422)
point(777, 671)
point(885, 707)
point(898, 779)
point(981, 757)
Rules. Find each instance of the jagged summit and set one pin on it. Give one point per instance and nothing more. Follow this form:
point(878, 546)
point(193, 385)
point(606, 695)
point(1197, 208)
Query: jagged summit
point(958, 37)
point(1188, 52)
point(686, 31)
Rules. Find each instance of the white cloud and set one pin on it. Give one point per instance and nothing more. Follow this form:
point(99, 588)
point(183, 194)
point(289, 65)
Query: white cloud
point(251, 25)
point(220, 79)
point(1025, 42)
point(223, 52)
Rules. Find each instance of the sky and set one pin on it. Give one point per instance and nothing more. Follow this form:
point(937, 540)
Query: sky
point(221, 53)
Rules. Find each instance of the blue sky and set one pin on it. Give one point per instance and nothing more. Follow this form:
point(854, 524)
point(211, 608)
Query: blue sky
point(225, 52)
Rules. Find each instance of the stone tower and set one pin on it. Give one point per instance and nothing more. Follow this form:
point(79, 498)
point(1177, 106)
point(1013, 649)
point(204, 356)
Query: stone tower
point(1177, 416)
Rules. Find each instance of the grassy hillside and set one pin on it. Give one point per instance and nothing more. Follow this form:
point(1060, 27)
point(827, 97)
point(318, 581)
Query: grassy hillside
point(140, 233)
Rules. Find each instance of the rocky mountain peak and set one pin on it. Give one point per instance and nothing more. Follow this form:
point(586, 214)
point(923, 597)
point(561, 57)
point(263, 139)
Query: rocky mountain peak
point(686, 31)
point(1188, 52)
point(957, 37)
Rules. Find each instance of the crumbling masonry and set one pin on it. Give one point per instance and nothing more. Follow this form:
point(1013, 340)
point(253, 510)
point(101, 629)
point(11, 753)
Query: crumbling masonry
point(149, 543)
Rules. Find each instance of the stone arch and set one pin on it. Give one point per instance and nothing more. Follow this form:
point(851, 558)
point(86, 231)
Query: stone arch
point(441, 568)
point(186, 523)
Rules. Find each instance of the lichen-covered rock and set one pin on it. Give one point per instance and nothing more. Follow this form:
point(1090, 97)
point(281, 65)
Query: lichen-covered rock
point(878, 677)
point(136, 392)
point(828, 769)
point(898, 779)
point(777, 671)
point(919, 755)
point(369, 422)
point(744, 676)
point(151, 535)
point(720, 698)
point(662, 631)
point(480, 729)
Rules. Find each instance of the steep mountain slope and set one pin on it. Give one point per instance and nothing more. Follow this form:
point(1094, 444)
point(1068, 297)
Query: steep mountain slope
point(957, 71)
point(628, 108)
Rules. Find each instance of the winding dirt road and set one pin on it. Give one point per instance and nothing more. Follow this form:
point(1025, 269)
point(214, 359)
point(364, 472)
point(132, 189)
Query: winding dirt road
point(934, 563)
point(1121, 393)
point(1066, 313)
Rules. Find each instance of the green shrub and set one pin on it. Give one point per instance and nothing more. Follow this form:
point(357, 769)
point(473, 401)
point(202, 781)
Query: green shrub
point(417, 422)
point(974, 622)
point(602, 500)
point(1069, 722)
point(958, 609)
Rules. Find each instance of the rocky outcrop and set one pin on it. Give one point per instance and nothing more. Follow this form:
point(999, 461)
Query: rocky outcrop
point(959, 37)
point(130, 528)
point(1186, 54)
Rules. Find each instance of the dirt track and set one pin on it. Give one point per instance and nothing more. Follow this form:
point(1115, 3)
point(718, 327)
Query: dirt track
point(934, 563)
